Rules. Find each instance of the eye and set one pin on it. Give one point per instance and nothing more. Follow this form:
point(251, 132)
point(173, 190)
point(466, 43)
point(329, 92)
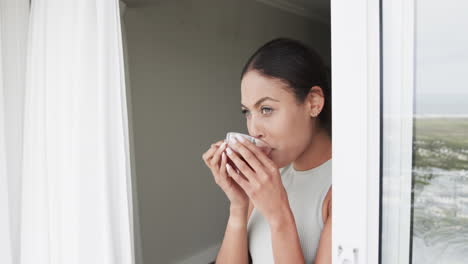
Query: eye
point(267, 108)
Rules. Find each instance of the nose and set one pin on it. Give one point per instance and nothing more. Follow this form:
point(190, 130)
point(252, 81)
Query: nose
point(255, 129)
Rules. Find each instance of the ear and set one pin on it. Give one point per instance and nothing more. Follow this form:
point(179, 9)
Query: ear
point(315, 100)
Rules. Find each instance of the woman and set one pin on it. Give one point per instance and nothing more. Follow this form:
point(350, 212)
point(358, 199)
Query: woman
point(280, 209)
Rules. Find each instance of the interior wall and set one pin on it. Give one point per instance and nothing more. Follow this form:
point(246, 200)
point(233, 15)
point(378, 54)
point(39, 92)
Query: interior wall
point(185, 59)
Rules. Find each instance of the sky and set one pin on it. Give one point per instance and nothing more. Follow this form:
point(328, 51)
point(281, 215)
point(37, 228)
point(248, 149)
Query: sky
point(441, 51)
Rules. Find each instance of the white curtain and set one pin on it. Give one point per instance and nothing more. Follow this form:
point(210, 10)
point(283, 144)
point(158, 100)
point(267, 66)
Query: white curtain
point(76, 187)
point(136, 223)
point(13, 33)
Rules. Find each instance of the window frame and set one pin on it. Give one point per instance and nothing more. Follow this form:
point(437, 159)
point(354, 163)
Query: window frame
point(356, 79)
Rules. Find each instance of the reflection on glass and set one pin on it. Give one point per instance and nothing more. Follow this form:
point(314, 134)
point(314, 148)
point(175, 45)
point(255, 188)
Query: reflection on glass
point(440, 135)
point(440, 189)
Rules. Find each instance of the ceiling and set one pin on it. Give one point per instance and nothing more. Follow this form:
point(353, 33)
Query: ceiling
point(313, 9)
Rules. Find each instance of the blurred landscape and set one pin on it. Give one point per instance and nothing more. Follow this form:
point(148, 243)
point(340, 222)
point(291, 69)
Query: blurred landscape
point(440, 189)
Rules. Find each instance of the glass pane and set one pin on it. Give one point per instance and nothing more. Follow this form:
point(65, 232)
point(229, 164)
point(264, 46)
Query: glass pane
point(440, 134)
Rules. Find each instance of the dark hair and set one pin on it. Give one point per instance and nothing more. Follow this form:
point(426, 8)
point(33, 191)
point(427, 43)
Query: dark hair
point(297, 65)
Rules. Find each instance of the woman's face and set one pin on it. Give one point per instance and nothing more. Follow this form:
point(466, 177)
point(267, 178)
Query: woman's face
point(278, 120)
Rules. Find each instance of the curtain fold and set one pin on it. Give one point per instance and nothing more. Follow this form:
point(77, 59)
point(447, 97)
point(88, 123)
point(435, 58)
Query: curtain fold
point(13, 33)
point(76, 188)
point(133, 181)
point(5, 226)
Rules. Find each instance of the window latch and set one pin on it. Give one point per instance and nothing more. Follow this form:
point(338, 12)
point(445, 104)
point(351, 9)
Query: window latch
point(348, 255)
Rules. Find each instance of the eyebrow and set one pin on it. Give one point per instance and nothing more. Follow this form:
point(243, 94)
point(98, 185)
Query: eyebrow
point(260, 101)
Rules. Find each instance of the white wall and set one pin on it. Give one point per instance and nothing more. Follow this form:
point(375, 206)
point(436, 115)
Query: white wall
point(185, 58)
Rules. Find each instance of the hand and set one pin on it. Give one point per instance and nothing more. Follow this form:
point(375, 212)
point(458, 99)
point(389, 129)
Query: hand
point(216, 160)
point(260, 179)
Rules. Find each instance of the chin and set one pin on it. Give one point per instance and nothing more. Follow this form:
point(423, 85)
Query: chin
point(277, 160)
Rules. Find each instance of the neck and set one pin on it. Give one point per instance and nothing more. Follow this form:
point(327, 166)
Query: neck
point(318, 152)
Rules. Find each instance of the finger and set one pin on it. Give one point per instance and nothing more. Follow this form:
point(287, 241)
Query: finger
point(216, 157)
point(230, 166)
point(241, 165)
point(222, 169)
point(221, 174)
point(249, 155)
point(218, 143)
point(209, 154)
point(245, 184)
point(260, 156)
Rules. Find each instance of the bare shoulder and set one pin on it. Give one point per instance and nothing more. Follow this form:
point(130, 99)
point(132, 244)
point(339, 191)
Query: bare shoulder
point(326, 207)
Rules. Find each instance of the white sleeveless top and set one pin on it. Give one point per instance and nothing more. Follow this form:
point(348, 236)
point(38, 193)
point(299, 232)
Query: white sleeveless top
point(306, 193)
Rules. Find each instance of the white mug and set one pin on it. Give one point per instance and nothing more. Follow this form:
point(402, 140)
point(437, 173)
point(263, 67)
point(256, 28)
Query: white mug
point(259, 143)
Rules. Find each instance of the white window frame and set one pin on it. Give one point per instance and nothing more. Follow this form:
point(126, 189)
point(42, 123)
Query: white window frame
point(398, 40)
point(356, 71)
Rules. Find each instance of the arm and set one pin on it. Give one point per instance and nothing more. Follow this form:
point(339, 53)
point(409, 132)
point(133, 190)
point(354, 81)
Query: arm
point(234, 247)
point(324, 249)
point(286, 244)
point(285, 240)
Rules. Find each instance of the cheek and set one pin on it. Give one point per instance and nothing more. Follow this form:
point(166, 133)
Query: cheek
point(289, 126)
point(292, 135)
point(282, 137)
point(278, 132)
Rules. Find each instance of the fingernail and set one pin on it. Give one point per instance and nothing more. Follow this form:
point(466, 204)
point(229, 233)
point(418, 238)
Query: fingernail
point(224, 155)
point(229, 151)
point(228, 167)
point(223, 145)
